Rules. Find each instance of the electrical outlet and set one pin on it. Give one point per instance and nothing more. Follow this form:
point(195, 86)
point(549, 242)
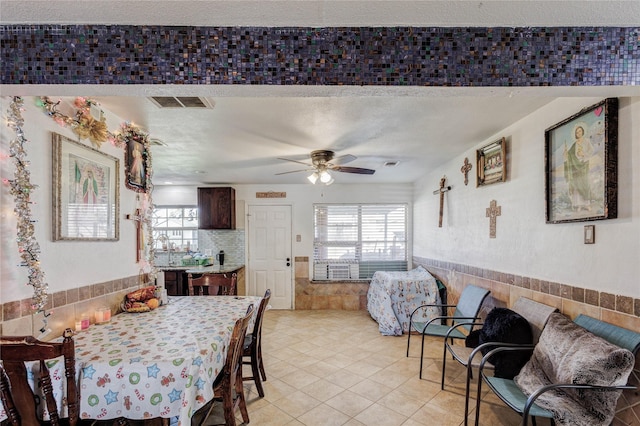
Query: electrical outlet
point(298, 238)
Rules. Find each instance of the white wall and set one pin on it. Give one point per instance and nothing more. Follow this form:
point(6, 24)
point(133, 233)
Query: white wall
point(65, 264)
point(301, 198)
point(525, 245)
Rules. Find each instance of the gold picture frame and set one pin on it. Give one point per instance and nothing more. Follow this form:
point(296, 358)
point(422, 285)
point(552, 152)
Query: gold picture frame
point(491, 163)
point(86, 196)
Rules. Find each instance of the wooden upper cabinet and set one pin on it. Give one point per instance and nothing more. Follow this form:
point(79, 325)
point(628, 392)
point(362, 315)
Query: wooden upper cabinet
point(217, 208)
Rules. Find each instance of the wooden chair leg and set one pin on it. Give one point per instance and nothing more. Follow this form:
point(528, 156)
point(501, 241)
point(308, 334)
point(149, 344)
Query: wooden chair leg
point(229, 410)
point(261, 364)
point(255, 369)
point(242, 403)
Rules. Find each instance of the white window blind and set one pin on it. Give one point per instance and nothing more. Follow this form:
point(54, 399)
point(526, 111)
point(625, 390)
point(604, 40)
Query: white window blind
point(352, 241)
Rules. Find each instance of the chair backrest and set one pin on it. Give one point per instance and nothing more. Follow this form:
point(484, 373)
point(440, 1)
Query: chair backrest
point(257, 327)
point(234, 352)
point(16, 393)
point(212, 284)
point(469, 304)
point(619, 336)
point(536, 313)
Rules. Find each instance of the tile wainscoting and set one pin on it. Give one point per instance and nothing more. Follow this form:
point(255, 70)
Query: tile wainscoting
point(334, 295)
point(67, 306)
point(570, 300)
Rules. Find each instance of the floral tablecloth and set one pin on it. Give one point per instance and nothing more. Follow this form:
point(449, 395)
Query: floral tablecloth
point(155, 364)
point(393, 295)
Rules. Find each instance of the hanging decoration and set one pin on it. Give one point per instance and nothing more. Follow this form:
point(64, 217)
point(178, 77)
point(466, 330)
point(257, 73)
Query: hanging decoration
point(21, 189)
point(83, 124)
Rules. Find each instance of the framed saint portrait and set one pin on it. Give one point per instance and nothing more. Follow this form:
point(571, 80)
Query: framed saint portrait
point(581, 165)
point(136, 156)
point(85, 192)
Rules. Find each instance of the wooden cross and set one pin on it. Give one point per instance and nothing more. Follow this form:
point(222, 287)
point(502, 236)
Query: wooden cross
point(441, 191)
point(493, 211)
point(137, 218)
point(465, 170)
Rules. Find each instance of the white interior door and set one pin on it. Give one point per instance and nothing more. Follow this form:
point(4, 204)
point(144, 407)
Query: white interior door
point(270, 262)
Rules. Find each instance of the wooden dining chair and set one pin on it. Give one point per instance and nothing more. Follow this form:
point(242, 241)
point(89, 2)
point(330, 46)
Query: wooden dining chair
point(228, 385)
point(18, 398)
point(252, 349)
point(212, 284)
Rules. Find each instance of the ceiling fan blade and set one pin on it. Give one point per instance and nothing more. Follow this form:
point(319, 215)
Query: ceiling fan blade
point(343, 159)
point(357, 170)
point(295, 171)
point(295, 161)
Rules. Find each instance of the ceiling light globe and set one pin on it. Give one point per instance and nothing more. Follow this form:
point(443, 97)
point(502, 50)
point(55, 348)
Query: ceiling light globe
point(313, 177)
point(325, 177)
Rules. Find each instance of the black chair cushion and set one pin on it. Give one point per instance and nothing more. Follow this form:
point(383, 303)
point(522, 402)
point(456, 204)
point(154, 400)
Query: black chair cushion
point(504, 325)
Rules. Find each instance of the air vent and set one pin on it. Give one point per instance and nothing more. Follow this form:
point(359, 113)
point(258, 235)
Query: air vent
point(181, 102)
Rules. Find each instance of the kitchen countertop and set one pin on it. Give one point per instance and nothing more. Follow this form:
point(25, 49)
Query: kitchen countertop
point(173, 267)
point(214, 269)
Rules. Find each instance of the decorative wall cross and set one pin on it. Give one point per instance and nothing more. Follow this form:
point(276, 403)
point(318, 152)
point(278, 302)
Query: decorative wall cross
point(441, 191)
point(466, 167)
point(493, 211)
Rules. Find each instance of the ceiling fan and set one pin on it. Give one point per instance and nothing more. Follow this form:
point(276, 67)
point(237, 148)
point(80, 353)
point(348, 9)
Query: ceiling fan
point(322, 162)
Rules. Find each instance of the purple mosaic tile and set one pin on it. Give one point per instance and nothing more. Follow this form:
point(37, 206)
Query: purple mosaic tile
point(380, 56)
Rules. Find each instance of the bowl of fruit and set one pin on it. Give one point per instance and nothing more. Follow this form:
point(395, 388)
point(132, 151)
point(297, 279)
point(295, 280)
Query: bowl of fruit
point(142, 300)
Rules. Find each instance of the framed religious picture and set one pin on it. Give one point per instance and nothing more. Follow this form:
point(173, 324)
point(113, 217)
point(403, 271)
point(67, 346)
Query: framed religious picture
point(491, 163)
point(581, 165)
point(85, 192)
point(136, 161)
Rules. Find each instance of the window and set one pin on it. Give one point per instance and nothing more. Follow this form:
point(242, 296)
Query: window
point(175, 227)
point(352, 241)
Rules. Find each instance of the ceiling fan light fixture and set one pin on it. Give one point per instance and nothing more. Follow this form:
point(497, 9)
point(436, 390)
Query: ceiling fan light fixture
point(325, 177)
point(313, 177)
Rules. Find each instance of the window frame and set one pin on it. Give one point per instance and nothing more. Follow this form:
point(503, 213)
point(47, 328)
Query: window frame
point(158, 231)
point(364, 265)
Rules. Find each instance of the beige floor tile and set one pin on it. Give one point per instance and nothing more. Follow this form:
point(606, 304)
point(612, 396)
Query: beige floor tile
point(269, 416)
point(299, 379)
point(371, 390)
point(349, 403)
point(323, 415)
point(401, 403)
point(297, 403)
point(363, 368)
point(335, 368)
point(344, 378)
point(380, 416)
point(322, 390)
point(322, 369)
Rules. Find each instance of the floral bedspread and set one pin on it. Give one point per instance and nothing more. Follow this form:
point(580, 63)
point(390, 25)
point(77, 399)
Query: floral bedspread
point(393, 295)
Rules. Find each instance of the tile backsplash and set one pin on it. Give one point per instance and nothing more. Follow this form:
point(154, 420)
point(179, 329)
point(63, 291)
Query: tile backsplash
point(231, 241)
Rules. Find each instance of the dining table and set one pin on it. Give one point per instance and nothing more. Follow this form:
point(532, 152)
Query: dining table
point(156, 364)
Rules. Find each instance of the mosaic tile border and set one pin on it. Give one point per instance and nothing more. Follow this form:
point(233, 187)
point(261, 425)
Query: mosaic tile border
point(357, 56)
point(614, 302)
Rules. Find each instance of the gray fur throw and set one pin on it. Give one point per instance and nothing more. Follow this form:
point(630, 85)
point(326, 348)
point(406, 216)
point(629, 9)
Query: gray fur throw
point(567, 353)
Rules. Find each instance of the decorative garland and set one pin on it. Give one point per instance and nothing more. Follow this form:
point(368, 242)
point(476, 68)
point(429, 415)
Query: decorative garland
point(21, 188)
